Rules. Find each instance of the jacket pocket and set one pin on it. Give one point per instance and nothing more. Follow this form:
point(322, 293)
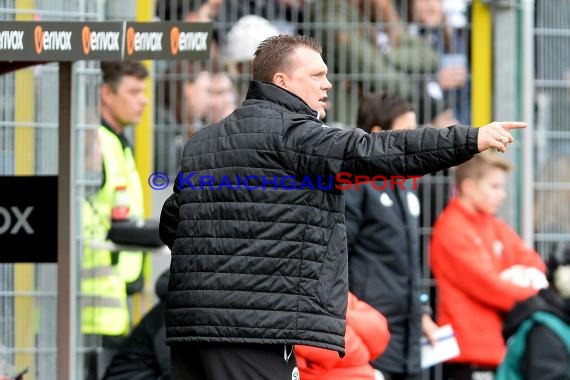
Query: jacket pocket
point(332, 286)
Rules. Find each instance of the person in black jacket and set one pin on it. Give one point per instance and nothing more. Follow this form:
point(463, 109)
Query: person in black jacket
point(144, 355)
point(258, 241)
point(545, 355)
point(383, 246)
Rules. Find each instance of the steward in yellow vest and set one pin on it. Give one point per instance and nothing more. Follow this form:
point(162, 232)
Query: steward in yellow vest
point(108, 277)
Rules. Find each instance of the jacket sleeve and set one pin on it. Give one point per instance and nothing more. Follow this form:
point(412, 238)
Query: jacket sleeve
point(169, 220)
point(545, 357)
point(317, 150)
point(456, 259)
point(366, 337)
point(522, 253)
point(369, 325)
point(356, 353)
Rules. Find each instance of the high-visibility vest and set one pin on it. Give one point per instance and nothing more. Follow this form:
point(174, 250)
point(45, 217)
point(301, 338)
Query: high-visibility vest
point(104, 309)
point(120, 170)
point(104, 303)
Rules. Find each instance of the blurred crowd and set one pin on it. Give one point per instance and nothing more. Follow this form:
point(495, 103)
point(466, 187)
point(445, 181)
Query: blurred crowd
point(416, 49)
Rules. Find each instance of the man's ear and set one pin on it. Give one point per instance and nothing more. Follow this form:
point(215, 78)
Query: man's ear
point(466, 186)
point(106, 92)
point(280, 79)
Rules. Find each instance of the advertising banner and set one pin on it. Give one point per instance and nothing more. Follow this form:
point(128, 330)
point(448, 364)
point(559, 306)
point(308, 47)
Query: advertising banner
point(28, 219)
point(108, 40)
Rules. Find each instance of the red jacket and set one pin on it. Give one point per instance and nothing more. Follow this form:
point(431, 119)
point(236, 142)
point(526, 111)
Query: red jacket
point(468, 252)
point(366, 337)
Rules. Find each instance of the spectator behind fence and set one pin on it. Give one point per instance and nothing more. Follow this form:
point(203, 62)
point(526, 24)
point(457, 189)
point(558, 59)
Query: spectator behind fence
point(538, 330)
point(378, 55)
point(108, 277)
point(286, 15)
point(186, 100)
point(365, 338)
point(241, 42)
point(144, 354)
point(254, 272)
point(482, 267)
point(428, 21)
point(222, 96)
point(383, 246)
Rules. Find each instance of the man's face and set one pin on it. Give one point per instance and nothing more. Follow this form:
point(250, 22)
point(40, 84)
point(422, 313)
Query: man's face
point(197, 95)
point(306, 77)
point(127, 103)
point(430, 12)
point(223, 100)
point(488, 192)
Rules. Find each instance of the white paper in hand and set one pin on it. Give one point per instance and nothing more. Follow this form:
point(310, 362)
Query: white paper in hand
point(445, 348)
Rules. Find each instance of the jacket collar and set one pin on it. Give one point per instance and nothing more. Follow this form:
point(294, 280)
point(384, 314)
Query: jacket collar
point(473, 216)
point(272, 93)
point(122, 138)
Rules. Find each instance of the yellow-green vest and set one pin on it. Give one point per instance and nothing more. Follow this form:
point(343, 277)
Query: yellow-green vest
point(120, 170)
point(104, 304)
point(104, 309)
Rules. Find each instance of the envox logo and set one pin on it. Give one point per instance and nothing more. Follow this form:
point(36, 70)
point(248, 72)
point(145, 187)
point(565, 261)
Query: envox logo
point(55, 40)
point(86, 39)
point(130, 40)
point(38, 39)
point(143, 41)
point(187, 41)
point(99, 41)
point(174, 40)
point(12, 40)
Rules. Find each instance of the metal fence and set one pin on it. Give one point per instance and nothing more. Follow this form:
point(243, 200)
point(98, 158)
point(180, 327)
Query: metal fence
point(366, 49)
point(552, 125)
point(29, 146)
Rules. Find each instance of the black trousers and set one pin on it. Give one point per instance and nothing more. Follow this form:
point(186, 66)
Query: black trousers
point(97, 360)
point(233, 362)
point(460, 371)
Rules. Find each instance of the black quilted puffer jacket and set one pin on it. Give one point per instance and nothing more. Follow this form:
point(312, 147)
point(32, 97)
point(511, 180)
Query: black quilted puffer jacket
point(268, 265)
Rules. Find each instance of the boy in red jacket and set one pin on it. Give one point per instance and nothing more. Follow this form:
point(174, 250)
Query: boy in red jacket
point(366, 338)
point(482, 267)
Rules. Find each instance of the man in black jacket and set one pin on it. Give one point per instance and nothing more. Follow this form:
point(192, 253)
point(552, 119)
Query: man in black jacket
point(259, 259)
point(382, 226)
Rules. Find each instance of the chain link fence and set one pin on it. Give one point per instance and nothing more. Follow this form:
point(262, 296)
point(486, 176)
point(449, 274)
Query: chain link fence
point(29, 146)
point(552, 125)
point(367, 48)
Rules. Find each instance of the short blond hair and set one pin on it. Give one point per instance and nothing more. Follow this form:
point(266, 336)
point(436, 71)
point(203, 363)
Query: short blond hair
point(480, 164)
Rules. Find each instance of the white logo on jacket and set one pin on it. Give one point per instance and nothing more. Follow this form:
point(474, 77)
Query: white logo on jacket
point(385, 200)
point(413, 204)
point(295, 375)
point(498, 248)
